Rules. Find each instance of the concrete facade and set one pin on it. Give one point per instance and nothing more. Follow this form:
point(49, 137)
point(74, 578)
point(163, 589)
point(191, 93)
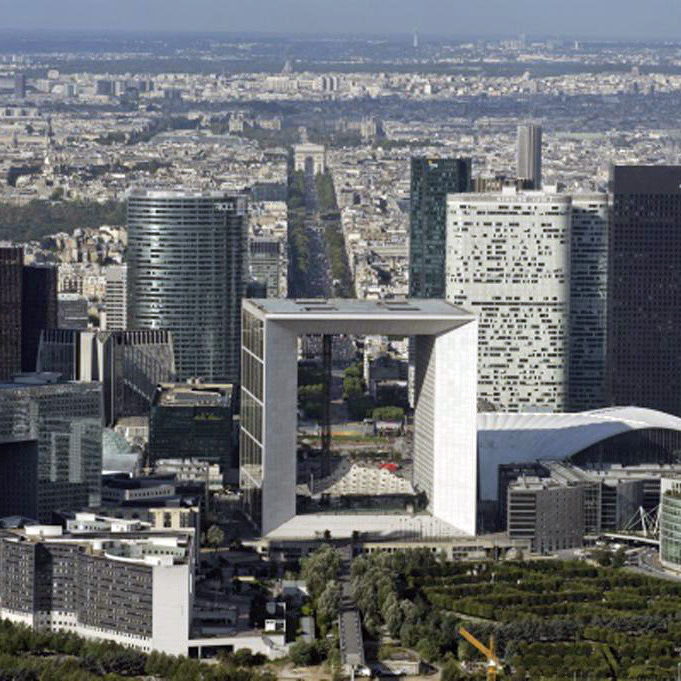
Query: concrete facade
point(445, 445)
point(116, 297)
point(508, 260)
point(114, 581)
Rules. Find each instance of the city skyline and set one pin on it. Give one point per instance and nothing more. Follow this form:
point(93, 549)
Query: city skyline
point(296, 329)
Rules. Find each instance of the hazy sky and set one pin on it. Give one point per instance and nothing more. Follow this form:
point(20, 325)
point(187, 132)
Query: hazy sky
point(459, 18)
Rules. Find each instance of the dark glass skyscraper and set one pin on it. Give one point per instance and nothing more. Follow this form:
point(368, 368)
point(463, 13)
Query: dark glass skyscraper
point(588, 300)
point(65, 421)
point(186, 273)
point(431, 181)
point(39, 311)
point(644, 288)
point(11, 265)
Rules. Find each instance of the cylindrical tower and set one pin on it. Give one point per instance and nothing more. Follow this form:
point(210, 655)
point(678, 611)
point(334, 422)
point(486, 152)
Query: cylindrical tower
point(186, 254)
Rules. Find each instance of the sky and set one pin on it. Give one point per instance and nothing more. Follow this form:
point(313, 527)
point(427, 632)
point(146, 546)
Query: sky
point(624, 19)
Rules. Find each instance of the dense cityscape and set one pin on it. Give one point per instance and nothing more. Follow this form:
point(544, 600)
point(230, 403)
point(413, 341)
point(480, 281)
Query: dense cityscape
point(330, 356)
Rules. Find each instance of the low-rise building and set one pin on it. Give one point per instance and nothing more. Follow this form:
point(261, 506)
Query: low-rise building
point(547, 513)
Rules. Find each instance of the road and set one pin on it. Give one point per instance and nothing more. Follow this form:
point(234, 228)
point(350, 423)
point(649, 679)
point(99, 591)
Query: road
point(318, 284)
point(649, 564)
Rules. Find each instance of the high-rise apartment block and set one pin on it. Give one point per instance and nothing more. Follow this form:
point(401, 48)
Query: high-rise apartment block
point(11, 266)
point(105, 579)
point(186, 273)
point(644, 291)
point(588, 300)
point(508, 261)
point(431, 181)
point(116, 297)
point(529, 155)
point(129, 364)
point(65, 420)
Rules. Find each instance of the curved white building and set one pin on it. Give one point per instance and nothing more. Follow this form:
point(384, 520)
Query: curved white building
point(505, 438)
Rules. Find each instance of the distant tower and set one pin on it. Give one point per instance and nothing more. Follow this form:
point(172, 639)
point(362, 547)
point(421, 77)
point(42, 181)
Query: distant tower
point(416, 39)
point(11, 269)
point(529, 155)
point(20, 85)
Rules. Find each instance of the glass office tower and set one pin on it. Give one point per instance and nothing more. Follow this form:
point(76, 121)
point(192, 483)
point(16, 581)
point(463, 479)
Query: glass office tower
point(186, 267)
point(431, 181)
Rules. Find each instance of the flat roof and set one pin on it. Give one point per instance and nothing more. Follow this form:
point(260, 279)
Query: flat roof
point(373, 525)
point(198, 394)
point(349, 308)
point(179, 193)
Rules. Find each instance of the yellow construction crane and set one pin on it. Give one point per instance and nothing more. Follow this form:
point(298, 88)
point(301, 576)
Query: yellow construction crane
point(493, 664)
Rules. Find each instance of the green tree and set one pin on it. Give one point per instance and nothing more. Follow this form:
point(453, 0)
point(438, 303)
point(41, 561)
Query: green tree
point(388, 413)
point(451, 671)
point(304, 654)
point(215, 536)
point(328, 605)
point(319, 568)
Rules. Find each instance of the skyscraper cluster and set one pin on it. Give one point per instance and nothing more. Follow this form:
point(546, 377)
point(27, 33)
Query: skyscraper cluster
point(577, 295)
point(50, 446)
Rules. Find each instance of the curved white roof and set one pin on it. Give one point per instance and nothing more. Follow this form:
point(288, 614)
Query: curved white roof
point(523, 438)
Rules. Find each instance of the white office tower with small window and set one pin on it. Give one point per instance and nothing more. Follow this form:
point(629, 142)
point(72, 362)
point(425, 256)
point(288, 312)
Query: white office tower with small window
point(508, 261)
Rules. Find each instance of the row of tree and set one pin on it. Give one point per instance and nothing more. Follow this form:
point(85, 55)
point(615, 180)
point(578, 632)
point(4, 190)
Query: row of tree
point(338, 257)
point(321, 570)
point(298, 241)
point(30, 655)
point(545, 612)
point(618, 624)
